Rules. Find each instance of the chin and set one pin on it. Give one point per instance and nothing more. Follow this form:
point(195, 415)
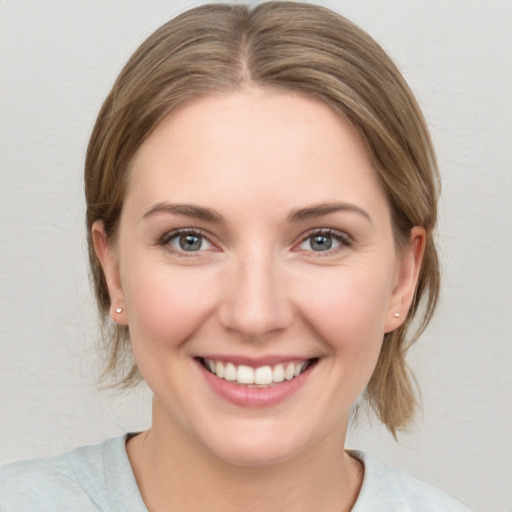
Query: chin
point(260, 455)
point(259, 445)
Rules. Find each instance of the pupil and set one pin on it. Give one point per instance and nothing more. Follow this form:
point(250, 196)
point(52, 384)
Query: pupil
point(321, 243)
point(190, 242)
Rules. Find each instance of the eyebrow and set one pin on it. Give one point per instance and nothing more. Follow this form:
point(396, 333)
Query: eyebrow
point(189, 210)
point(295, 215)
point(324, 209)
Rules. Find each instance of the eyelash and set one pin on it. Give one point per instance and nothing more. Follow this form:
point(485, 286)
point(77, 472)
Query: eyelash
point(167, 238)
point(342, 238)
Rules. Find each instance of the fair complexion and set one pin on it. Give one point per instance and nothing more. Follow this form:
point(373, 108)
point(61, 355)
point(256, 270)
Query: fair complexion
point(254, 233)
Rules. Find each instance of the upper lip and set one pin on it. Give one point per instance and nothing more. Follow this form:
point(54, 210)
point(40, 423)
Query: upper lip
point(255, 362)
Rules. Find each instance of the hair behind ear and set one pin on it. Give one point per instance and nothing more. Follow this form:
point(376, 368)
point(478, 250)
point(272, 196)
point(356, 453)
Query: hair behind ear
point(392, 390)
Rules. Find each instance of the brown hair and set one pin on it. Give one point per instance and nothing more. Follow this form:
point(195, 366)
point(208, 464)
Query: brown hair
point(292, 46)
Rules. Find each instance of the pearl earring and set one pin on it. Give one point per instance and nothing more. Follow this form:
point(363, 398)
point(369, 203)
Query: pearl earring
point(396, 315)
point(119, 310)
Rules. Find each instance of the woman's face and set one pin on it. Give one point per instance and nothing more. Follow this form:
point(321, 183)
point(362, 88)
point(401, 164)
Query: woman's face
point(255, 245)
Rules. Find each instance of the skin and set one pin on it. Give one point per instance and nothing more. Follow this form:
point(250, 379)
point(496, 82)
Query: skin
point(256, 288)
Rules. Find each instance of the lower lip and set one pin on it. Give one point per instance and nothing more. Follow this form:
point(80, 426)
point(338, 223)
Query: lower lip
point(244, 396)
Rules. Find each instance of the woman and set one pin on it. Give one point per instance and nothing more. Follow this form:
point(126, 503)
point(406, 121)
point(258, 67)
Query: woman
point(261, 192)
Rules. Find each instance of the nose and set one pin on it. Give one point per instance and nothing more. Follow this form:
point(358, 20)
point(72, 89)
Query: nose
point(255, 302)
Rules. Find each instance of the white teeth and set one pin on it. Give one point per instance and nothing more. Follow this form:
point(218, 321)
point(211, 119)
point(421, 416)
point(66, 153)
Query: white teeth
point(298, 369)
point(230, 372)
point(261, 376)
point(245, 375)
point(278, 373)
point(289, 371)
point(219, 369)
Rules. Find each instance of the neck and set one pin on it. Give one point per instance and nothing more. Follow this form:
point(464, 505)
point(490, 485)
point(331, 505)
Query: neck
point(175, 472)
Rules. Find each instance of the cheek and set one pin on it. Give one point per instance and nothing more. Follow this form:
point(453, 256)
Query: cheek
point(166, 307)
point(348, 310)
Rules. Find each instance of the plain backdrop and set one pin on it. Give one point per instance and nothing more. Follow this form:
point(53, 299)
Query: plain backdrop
point(58, 59)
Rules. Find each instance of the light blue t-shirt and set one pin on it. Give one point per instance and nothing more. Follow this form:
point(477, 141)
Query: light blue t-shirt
point(100, 478)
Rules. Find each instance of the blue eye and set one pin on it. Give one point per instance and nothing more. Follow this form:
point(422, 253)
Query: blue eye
point(322, 241)
point(187, 241)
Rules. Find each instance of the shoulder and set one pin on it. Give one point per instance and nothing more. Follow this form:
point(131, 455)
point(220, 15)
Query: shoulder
point(77, 480)
point(387, 489)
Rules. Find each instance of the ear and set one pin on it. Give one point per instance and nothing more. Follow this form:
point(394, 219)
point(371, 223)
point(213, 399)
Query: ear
point(110, 265)
point(406, 277)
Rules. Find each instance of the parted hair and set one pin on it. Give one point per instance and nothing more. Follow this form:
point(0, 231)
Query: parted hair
point(289, 46)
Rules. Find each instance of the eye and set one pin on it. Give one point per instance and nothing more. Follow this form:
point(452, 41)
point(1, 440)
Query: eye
point(324, 240)
point(186, 241)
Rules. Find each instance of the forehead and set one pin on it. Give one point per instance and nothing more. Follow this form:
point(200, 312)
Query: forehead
point(255, 143)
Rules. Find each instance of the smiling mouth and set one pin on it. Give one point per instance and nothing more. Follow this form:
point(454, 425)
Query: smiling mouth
point(262, 376)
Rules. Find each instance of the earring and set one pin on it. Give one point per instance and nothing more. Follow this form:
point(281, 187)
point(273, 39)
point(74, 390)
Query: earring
point(119, 310)
point(396, 315)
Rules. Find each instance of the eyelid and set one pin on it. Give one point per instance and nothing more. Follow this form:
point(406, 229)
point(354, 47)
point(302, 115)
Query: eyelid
point(345, 239)
point(166, 238)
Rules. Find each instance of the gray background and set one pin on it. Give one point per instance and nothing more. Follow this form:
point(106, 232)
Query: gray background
point(57, 61)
